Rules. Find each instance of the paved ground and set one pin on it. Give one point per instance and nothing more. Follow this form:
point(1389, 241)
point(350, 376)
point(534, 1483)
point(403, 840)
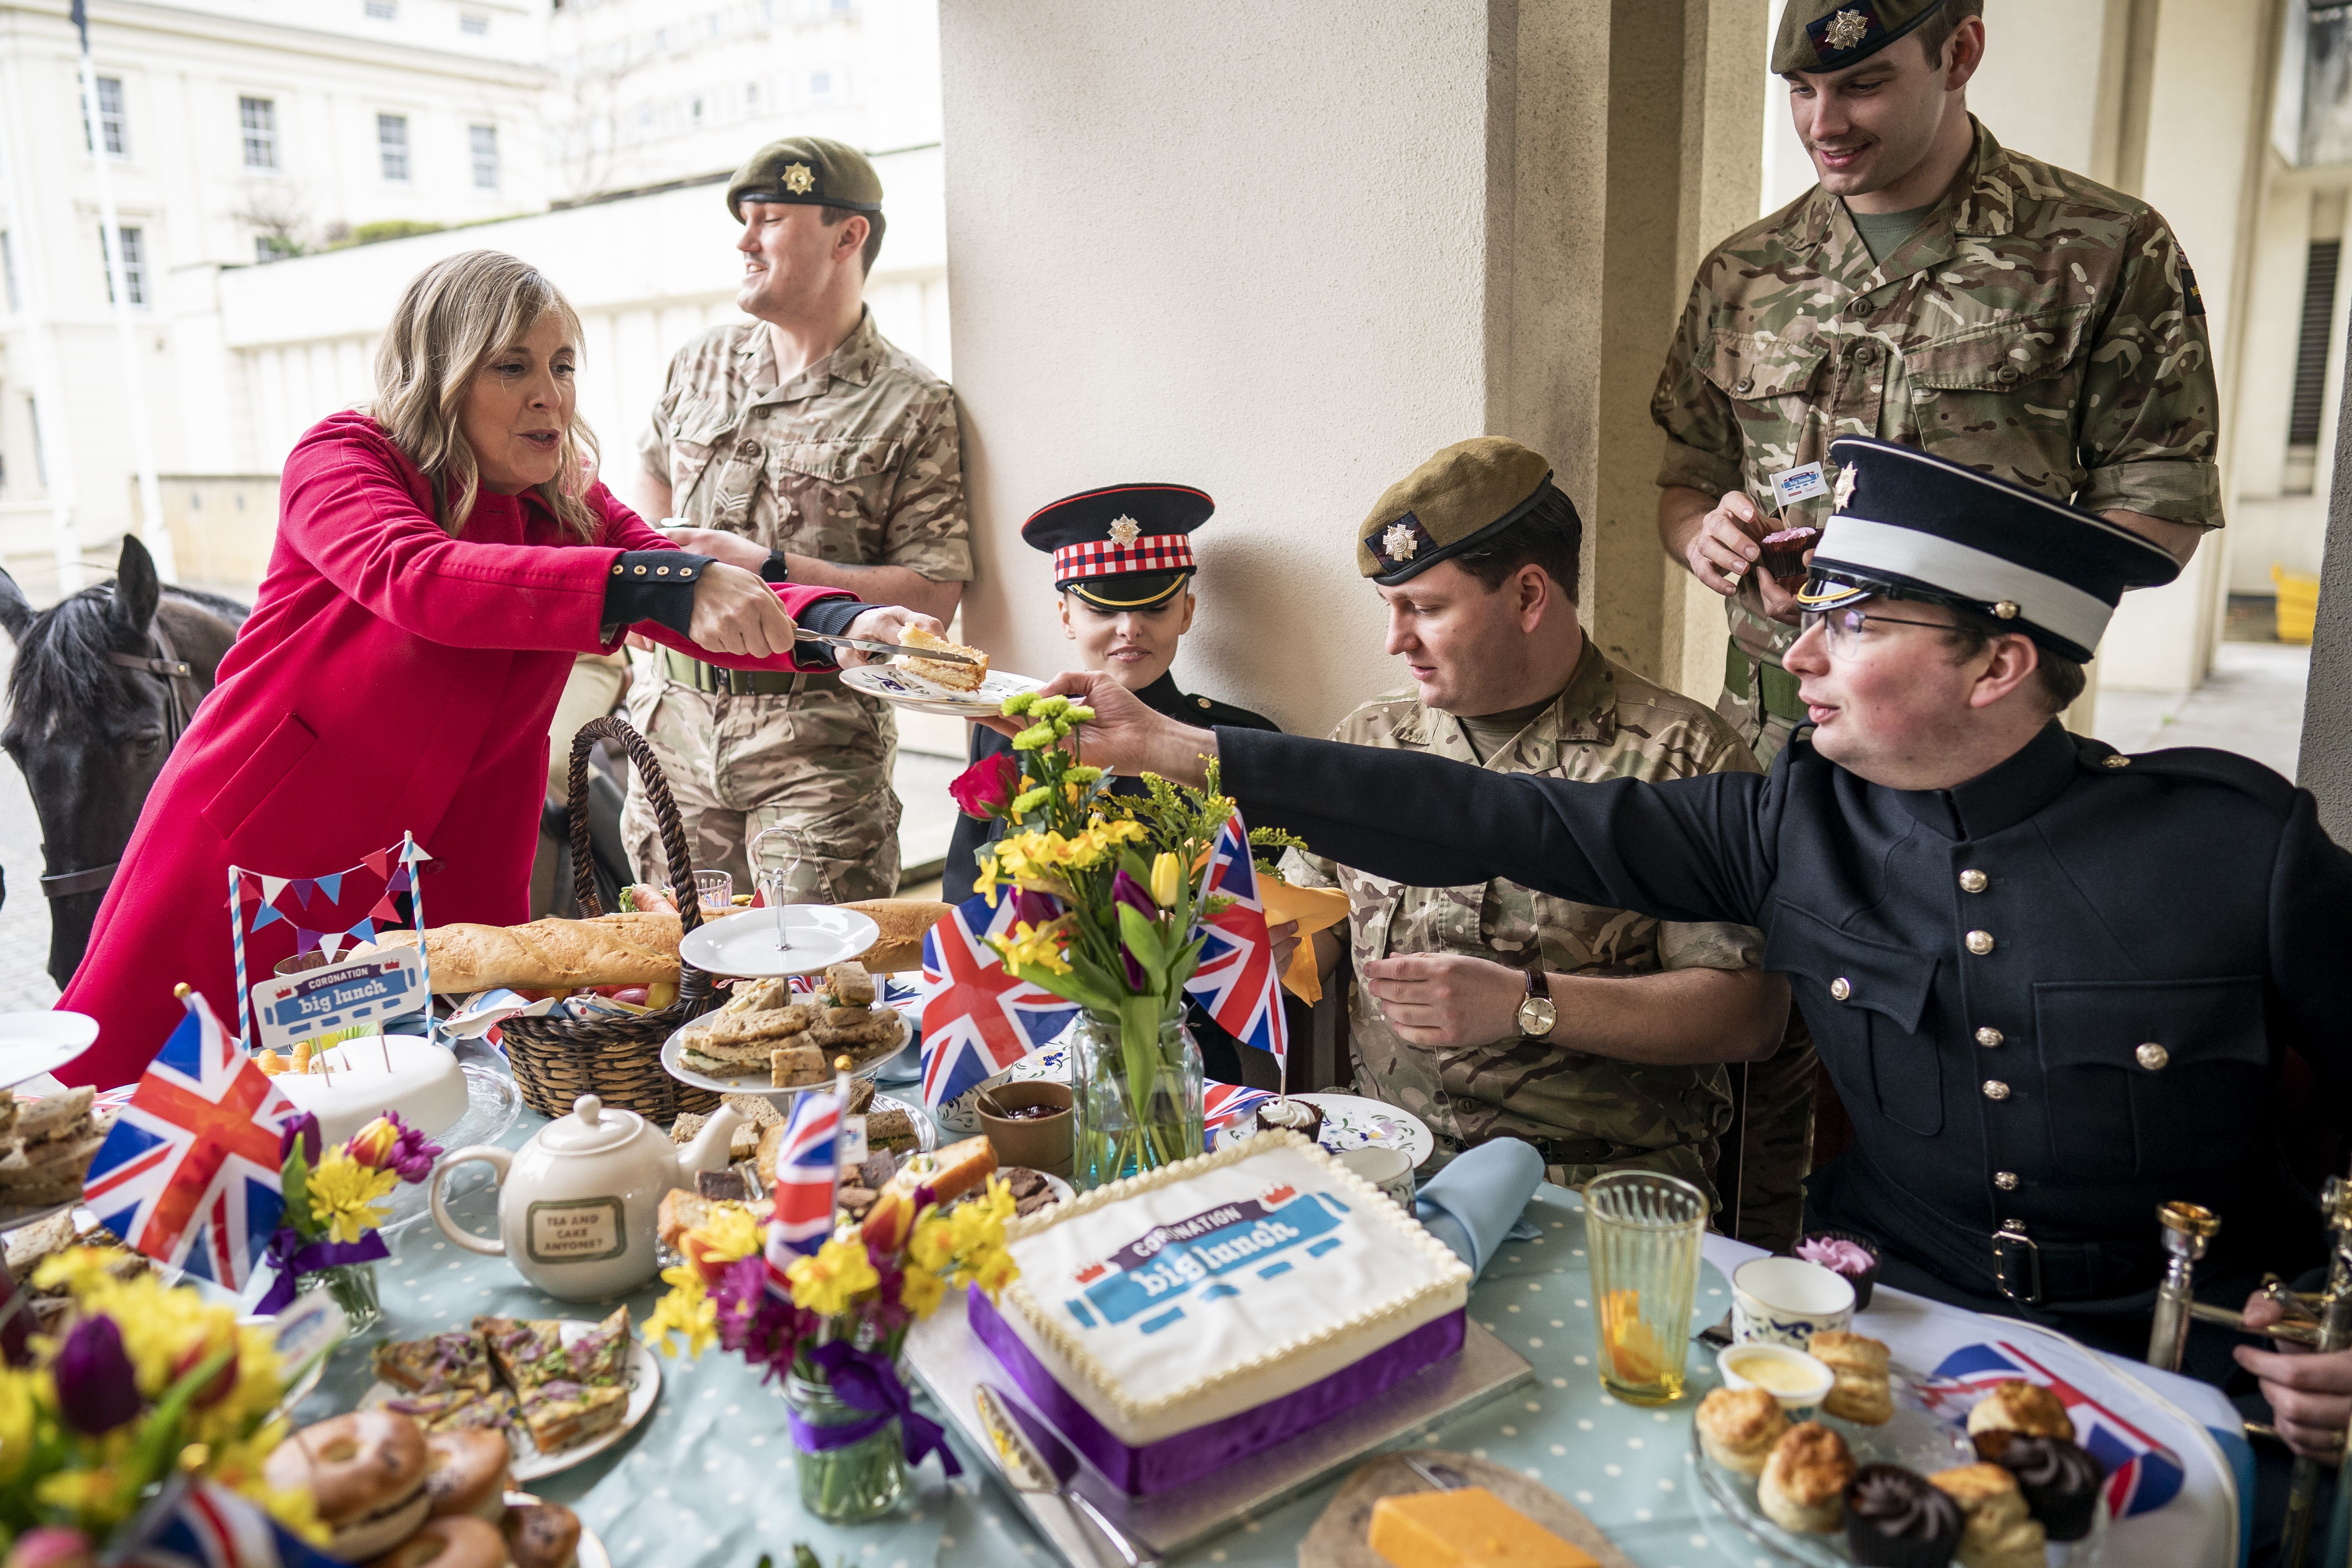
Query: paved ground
point(2251, 703)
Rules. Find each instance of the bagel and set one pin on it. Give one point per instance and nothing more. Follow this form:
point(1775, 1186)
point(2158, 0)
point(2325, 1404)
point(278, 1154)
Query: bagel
point(542, 1535)
point(365, 1474)
point(460, 1541)
point(466, 1472)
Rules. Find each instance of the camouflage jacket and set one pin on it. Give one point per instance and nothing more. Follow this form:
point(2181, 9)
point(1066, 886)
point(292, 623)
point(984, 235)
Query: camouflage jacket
point(2037, 326)
point(1597, 1112)
point(856, 459)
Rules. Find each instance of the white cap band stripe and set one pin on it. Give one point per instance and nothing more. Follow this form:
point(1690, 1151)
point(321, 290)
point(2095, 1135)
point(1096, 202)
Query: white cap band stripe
point(1964, 572)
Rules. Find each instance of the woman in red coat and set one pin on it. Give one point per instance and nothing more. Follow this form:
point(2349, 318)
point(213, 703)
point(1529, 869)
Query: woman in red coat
point(440, 559)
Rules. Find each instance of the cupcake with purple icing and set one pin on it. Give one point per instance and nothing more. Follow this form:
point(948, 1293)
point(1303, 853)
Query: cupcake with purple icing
point(1849, 1257)
point(1784, 556)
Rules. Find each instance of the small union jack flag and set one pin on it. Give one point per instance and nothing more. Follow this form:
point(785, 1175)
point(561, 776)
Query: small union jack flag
point(979, 1018)
point(1223, 1103)
point(1237, 981)
point(807, 1164)
point(208, 1526)
point(2143, 1475)
point(189, 1174)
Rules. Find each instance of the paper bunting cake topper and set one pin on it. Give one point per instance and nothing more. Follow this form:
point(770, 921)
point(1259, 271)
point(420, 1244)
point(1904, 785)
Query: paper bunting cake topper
point(391, 869)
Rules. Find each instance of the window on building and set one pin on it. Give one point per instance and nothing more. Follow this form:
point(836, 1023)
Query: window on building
point(40, 452)
point(693, 110)
point(132, 253)
point(392, 145)
point(2320, 268)
point(821, 84)
point(8, 273)
point(258, 118)
point(751, 97)
point(484, 139)
point(383, 10)
point(474, 25)
point(109, 119)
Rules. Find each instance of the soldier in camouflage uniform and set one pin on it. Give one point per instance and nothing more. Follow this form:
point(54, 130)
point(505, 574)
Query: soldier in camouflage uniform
point(846, 472)
point(1935, 290)
point(1476, 1007)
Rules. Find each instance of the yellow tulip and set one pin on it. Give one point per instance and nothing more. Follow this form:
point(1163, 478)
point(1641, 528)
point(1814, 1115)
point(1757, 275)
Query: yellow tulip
point(1167, 879)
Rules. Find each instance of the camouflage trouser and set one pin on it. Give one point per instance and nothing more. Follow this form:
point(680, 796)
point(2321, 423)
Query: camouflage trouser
point(1770, 1147)
point(818, 761)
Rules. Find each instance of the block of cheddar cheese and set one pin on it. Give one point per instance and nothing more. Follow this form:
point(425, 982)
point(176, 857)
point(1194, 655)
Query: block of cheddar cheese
point(1468, 1527)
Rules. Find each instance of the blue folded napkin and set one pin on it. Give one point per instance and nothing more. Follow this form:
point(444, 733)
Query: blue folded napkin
point(1473, 1205)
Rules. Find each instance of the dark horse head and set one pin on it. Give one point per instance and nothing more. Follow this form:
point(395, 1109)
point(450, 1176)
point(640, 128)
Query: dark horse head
point(93, 711)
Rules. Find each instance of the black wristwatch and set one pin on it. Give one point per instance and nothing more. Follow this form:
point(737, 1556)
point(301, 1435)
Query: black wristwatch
point(774, 569)
point(1538, 1015)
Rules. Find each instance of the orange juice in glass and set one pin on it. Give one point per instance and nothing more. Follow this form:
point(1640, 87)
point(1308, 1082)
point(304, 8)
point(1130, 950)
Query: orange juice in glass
point(1642, 1237)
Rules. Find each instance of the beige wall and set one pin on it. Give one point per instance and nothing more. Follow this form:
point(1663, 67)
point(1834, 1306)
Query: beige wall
point(1287, 273)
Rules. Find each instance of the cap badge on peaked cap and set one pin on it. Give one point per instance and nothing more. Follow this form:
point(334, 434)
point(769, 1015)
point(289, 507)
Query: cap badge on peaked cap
point(1845, 480)
point(1124, 532)
point(1846, 29)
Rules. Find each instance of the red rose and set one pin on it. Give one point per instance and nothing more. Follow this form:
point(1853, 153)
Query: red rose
point(986, 788)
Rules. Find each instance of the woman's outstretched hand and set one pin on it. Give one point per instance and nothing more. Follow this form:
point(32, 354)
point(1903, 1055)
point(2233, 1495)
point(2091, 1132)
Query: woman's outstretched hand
point(736, 613)
point(884, 622)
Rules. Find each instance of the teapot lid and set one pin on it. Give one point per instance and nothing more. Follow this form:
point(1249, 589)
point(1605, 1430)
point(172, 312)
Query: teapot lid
point(591, 1129)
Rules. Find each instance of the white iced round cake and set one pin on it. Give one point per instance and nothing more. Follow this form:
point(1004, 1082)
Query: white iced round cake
point(423, 1083)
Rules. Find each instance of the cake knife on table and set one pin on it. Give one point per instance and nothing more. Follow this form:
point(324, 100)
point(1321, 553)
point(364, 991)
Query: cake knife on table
point(1031, 1459)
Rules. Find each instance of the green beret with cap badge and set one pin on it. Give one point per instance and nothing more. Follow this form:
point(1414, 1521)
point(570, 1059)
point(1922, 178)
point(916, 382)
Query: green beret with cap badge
point(806, 170)
point(1467, 492)
point(1831, 35)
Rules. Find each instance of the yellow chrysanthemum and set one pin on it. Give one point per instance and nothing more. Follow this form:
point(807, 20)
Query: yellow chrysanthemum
point(687, 1311)
point(343, 1194)
point(827, 1283)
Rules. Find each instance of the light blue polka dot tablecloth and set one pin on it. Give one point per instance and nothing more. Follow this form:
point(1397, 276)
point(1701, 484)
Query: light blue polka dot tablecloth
point(708, 1478)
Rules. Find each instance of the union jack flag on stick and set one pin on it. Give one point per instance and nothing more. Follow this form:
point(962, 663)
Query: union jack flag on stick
point(807, 1166)
point(978, 1018)
point(1237, 982)
point(189, 1174)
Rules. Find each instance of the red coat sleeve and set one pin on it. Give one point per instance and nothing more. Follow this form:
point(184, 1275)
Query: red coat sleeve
point(626, 529)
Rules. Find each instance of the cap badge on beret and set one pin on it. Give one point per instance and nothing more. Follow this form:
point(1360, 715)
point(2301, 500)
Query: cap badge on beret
point(1846, 29)
point(1125, 532)
point(1401, 542)
point(799, 179)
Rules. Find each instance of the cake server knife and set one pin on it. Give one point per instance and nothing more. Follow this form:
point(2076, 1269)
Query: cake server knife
point(866, 644)
point(1035, 1460)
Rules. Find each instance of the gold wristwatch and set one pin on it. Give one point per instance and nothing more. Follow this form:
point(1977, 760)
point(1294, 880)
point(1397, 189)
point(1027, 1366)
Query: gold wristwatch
point(1538, 1012)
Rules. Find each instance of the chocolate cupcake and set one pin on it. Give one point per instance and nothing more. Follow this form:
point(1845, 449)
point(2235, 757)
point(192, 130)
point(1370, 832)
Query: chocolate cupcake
point(1849, 1257)
point(2060, 1480)
point(1784, 556)
point(1894, 1519)
point(1284, 1114)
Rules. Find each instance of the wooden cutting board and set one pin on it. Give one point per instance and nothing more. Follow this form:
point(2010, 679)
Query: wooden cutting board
point(1338, 1539)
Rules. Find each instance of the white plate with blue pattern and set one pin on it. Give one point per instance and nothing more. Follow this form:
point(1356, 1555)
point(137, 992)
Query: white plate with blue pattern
point(892, 684)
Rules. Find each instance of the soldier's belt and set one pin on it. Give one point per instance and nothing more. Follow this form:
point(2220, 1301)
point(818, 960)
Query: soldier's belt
point(712, 678)
point(1780, 697)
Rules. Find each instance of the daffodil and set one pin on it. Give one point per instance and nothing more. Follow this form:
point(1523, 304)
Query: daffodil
point(1033, 947)
point(827, 1283)
point(919, 1290)
point(343, 1193)
point(687, 1311)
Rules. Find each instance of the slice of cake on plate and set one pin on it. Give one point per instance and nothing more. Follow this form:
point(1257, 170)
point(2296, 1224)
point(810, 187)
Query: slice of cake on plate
point(939, 672)
point(1178, 1321)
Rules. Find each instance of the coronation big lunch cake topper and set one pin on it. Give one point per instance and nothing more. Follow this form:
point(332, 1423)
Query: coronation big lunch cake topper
point(1221, 1249)
point(354, 996)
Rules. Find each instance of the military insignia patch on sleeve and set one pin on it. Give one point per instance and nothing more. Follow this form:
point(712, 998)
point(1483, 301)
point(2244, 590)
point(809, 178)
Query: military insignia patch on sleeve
point(2192, 295)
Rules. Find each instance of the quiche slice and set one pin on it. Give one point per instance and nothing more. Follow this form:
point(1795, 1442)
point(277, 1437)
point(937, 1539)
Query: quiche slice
point(528, 1351)
point(453, 1409)
point(441, 1361)
point(600, 1358)
point(561, 1414)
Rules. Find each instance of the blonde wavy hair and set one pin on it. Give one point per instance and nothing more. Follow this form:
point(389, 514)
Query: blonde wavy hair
point(452, 318)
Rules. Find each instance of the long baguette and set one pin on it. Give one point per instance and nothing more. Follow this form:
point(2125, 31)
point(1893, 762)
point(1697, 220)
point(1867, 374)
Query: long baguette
point(903, 922)
point(549, 954)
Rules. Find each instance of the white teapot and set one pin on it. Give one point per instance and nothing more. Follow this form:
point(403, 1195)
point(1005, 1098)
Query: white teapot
point(577, 1204)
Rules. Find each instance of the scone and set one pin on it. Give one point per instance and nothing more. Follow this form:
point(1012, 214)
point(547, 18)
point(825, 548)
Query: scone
point(2020, 1407)
point(1738, 1426)
point(1804, 1481)
point(2000, 1532)
point(954, 677)
point(1862, 1392)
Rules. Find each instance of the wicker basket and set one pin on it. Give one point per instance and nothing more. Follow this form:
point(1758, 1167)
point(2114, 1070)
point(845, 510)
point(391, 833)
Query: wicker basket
point(617, 1059)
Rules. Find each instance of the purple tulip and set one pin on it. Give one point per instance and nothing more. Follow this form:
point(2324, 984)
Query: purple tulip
point(98, 1389)
point(304, 1127)
point(1126, 890)
point(1037, 908)
point(412, 1154)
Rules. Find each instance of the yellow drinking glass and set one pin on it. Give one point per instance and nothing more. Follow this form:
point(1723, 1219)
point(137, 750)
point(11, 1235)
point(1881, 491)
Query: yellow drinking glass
point(1642, 1236)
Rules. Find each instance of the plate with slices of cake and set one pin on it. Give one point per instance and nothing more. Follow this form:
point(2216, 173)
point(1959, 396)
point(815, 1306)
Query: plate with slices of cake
point(935, 686)
point(770, 1040)
point(1876, 1473)
point(560, 1389)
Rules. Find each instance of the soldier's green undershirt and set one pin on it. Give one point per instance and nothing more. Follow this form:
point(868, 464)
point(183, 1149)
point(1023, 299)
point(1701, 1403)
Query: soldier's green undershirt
point(1489, 733)
point(1882, 232)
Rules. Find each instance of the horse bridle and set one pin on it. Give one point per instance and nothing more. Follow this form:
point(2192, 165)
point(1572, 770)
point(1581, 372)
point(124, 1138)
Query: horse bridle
point(167, 666)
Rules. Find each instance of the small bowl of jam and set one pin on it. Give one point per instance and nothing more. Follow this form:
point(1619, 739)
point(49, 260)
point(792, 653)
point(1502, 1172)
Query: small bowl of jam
point(1030, 1124)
